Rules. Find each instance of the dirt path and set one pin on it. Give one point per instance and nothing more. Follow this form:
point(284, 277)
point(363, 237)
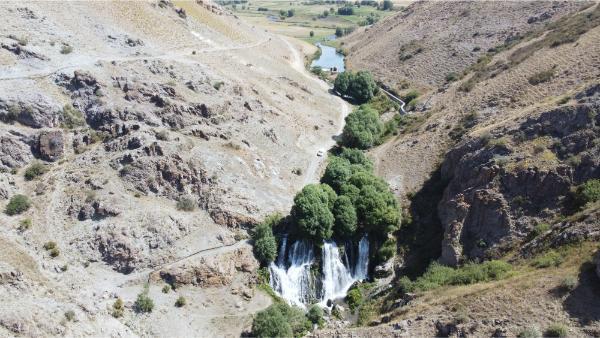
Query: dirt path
point(297, 61)
point(182, 54)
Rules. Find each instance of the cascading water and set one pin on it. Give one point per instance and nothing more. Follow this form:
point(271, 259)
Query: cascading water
point(293, 283)
point(292, 278)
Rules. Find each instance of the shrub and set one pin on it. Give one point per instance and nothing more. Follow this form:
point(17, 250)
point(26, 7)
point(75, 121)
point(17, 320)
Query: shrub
point(311, 34)
point(588, 192)
point(50, 245)
point(118, 308)
point(36, 169)
point(265, 249)
point(363, 128)
point(539, 229)
point(346, 10)
point(541, 77)
point(186, 204)
point(551, 258)
point(54, 252)
point(70, 315)
point(25, 224)
point(315, 315)
point(66, 49)
point(354, 299)
point(312, 211)
point(166, 288)
point(180, 302)
point(530, 332)
point(387, 250)
point(556, 330)
point(265, 244)
point(271, 323)
point(569, 283)
point(451, 77)
point(143, 302)
point(72, 118)
point(17, 204)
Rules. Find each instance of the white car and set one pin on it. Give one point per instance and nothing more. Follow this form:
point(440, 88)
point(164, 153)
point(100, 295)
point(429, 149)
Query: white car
point(320, 153)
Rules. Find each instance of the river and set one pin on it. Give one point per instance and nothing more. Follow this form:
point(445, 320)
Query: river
point(329, 59)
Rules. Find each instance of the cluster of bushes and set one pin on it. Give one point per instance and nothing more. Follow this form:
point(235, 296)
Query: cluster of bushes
point(265, 244)
point(339, 31)
point(360, 85)
point(438, 275)
point(36, 169)
point(588, 192)
point(369, 20)
point(52, 249)
point(282, 320)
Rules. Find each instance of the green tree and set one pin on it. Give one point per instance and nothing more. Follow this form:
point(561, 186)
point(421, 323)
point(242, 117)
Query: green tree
point(350, 191)
point(342, 81)
point(356, 156)
point(377, 210)
point(312, 211)
point(265, 244)
point(338, 171)
point(143, 303)
point(339, 32)
point(345, 217)
point(271, 323)
point(387, 5)
point(362, 87)
point(363, 128)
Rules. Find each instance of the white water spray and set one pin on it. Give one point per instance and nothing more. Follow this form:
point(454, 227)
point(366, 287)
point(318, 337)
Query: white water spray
point(293, 280)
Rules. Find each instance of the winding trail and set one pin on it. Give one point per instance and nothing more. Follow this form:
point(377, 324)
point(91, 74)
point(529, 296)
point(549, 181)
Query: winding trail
point(183, 54)
point(311, 175)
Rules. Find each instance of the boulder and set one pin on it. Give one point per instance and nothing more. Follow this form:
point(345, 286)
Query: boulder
point(118, 250)
point(50, 146)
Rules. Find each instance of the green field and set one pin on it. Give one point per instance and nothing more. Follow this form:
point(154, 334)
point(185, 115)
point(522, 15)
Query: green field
point(307, 17)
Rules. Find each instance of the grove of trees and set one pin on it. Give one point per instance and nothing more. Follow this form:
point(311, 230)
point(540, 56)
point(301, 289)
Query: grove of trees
point(360, 85)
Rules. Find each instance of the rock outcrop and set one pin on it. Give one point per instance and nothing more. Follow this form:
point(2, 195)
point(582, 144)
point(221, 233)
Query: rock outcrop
point(50, 146)
point(500, 188)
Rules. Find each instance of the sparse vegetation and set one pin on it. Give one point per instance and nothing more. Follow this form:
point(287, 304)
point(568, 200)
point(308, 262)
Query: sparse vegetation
point(118, 308)
point(17, 205)
point(568, 283)
point(556, 331)
point(166, 288)
point(180, 302)
point(72, 118)
point(588, 192)
point(70, 315)
point(548, 259)
point(143, 302)
point(25, 224)
point(354, 298)
point(541, 77)
point(530, 332)
point(186, 203)
point(36, 169)
point(438, 275)
point(66, 49)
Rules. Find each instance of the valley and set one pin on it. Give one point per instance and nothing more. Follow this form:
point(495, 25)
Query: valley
point(299, 168)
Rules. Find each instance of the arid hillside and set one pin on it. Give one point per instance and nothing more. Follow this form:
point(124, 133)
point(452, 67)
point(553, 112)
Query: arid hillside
point(488, 163)
point(138, 140)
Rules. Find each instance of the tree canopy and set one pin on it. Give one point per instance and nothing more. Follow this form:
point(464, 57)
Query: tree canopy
point(363, 128)
point(312, 211)
point(360, 86)
point(345, 217)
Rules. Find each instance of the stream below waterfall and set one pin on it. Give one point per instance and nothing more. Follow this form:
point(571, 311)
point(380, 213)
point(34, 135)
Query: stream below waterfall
point(297, 279)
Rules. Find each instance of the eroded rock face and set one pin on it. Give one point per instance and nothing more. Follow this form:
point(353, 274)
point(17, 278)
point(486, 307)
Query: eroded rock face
point(211, 271)
point(50, 145)
point(493, 201)
point(118, 250)
point(14, 153)
point(38, 112)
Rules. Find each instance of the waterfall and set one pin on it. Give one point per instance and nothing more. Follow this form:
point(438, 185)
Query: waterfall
point(362, 263)
point(292, 279)
point(337, 278)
